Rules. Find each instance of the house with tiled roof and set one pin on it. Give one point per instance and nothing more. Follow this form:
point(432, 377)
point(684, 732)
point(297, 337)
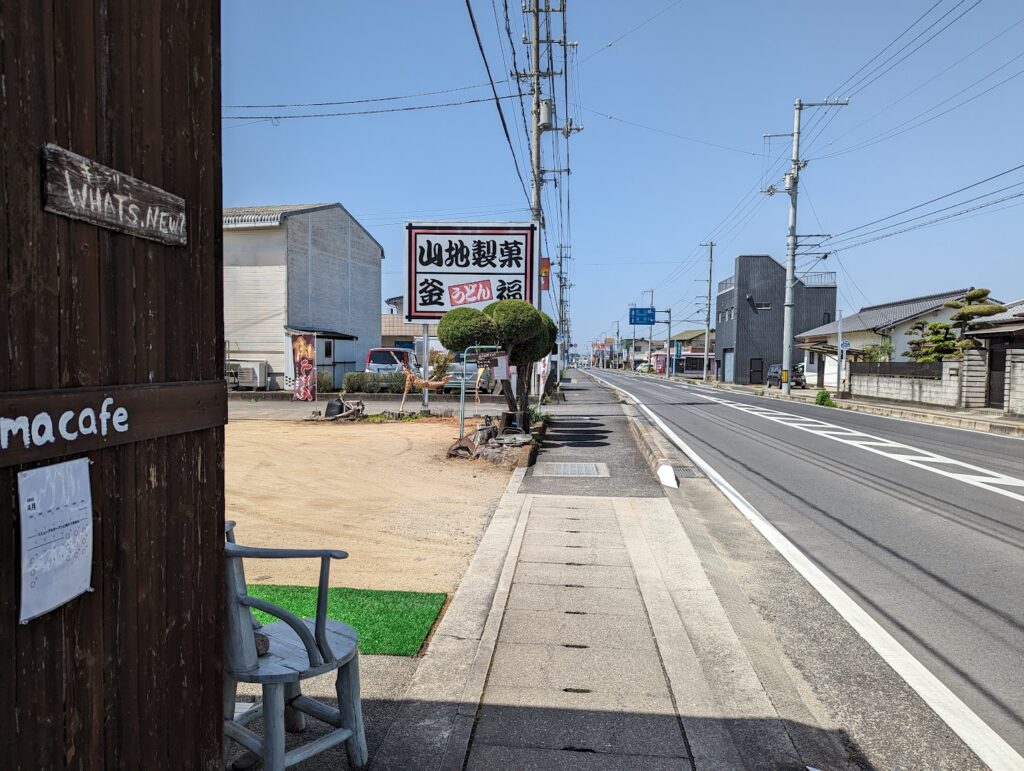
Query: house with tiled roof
point(298, 269)
point(873, 325)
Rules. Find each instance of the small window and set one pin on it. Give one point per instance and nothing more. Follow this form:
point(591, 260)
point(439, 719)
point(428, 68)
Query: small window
point(826, 318)
point(329, 349)
point(763, 306)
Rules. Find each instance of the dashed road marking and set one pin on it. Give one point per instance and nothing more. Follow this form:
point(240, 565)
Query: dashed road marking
point(903, 453)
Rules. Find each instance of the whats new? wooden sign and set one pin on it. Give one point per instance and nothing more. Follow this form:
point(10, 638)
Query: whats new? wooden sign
point(82, 189)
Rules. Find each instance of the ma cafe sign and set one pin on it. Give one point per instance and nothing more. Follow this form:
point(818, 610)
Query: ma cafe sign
point(38, 425)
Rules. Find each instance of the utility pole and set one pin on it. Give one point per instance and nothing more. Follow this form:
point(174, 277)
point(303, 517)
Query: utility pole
point(792, 180)
point(670, 349)
point(618, 346)
point(839, 353)
point(650, 332)
point(707, 311)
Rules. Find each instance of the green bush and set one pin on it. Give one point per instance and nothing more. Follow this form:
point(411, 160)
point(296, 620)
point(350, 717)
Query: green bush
point(824, 399)
point(372, 382)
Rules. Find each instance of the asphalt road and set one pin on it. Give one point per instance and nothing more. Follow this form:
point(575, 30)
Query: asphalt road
point(931, 549)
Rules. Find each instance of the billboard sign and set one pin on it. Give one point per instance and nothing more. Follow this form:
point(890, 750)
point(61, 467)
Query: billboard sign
point(641, 317)
point(454, 264)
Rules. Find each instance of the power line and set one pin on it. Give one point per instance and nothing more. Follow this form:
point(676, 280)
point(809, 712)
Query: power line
point(898, 129)
point(357, 101)
point(410, 108)
point(667, 133)
point(497, 99)
point(935, 221)
point(644, 23)
point(861, 85)
point(931, 201)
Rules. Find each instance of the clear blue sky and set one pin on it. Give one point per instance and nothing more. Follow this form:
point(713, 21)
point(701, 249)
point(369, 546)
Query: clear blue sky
point(642, 200)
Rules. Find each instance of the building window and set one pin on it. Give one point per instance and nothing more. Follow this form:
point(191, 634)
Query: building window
point(763, 306)
point(811, 358)
point(826, 318)
point(329, 349)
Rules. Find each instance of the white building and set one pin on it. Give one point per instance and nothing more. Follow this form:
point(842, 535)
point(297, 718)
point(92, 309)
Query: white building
point(871, 326)
point(306, 268)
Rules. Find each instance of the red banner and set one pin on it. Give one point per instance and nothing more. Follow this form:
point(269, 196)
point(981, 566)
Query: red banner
point(304, 363)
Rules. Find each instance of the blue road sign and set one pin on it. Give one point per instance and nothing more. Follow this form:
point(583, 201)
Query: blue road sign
point(641, 317)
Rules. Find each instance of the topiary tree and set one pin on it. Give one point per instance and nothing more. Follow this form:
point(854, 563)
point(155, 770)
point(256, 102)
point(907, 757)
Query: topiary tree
point(527, 335)
point(460, 328)
point(935, 341)
point(974, 305)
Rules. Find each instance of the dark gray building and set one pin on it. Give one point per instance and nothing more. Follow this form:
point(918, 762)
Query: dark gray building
point(749, 311)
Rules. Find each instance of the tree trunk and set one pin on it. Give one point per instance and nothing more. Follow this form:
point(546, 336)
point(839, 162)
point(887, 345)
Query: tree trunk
point(523, 378)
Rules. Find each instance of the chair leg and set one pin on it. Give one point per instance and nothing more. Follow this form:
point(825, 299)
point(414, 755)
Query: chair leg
point(230, 694)
point(352, 712)
point(273, 726)
point(294, 721)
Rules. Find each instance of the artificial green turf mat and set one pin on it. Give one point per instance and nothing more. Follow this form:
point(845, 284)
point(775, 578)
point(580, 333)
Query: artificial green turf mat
point(394, 623)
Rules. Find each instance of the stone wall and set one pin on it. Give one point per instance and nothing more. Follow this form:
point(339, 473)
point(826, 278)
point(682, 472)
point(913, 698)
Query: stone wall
point(944, 392)
point(974, 379)
point(1014, 399)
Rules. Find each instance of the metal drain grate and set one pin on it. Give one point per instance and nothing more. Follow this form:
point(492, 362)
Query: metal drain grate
point(551, 469)
point(687, 471)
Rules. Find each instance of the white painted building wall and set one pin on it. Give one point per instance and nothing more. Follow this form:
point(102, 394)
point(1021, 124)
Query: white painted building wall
point(255, 311)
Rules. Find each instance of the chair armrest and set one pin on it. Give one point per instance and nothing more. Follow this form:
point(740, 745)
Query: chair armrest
point(255, 552)
point(312, 650)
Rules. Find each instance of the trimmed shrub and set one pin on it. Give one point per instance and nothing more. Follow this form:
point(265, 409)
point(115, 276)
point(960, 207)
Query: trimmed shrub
point(354, 382)
point(460, 328)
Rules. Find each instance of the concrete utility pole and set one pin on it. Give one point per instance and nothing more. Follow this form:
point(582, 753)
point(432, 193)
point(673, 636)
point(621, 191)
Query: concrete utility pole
point(650, 331)
point(792, 180)
point(669, 348)
point(707, 311)
point(535, 206)
point(839, 353)
point(618, 346)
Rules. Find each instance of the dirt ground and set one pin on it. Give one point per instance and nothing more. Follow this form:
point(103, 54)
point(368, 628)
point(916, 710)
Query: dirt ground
point(408, 517)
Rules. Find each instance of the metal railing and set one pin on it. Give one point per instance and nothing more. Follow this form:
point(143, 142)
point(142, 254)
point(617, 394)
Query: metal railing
point(818, 279)
point(727, 284)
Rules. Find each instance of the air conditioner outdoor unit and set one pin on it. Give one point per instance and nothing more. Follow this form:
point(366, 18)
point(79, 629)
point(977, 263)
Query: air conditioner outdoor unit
point(249, 373)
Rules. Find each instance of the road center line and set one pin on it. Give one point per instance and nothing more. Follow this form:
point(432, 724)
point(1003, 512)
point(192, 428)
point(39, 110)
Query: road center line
point(975, 732)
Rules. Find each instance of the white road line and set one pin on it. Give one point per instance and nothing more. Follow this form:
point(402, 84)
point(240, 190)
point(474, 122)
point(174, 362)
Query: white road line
point(903, 453)
point(975, 732)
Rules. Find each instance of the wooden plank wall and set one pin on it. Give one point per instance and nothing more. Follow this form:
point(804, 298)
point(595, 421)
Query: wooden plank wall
point(128, 676)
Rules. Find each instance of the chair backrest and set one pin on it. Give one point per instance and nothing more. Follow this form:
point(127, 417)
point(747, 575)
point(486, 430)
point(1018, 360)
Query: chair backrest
point(239, 643)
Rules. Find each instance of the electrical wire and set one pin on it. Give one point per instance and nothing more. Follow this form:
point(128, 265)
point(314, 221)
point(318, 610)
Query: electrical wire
point(357, 101)
point(497, 100)
point(667, 133)
point(642, 24)
point(410, 108)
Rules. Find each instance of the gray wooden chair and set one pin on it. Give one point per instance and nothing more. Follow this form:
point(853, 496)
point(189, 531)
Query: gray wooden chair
point(299, 649)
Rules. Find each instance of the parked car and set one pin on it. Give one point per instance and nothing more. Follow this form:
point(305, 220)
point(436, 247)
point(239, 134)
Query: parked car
point(645, 368)
point(463, 371)
point(382, 360)
point(796, 379)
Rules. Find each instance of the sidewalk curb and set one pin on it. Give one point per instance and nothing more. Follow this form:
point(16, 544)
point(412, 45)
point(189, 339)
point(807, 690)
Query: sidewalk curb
point(659, 456)
point(434, 723)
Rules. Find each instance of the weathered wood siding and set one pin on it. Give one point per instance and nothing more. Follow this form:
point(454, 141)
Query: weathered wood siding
point(129, 675)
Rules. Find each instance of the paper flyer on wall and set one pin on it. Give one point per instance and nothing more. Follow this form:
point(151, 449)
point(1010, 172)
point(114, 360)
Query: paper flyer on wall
point(55, 506)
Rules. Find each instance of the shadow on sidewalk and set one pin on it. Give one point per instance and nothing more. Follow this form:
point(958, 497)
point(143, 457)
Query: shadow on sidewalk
point(508, 737)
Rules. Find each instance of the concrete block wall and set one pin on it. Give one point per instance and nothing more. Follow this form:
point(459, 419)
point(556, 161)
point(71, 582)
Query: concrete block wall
point(1014, 395)
point(944, 392)
point(974, 379)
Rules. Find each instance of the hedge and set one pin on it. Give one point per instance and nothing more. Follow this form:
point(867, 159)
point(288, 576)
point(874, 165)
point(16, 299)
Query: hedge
point(372, 382)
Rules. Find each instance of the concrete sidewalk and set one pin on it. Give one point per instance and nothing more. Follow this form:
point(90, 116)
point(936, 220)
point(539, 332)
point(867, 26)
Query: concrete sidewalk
point(586, 634)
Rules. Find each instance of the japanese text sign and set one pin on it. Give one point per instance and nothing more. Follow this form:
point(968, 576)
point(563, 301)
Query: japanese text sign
point(641, 317)
point(449, 265)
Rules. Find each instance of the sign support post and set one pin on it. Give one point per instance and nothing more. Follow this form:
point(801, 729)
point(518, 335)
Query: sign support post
point(425, 366)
